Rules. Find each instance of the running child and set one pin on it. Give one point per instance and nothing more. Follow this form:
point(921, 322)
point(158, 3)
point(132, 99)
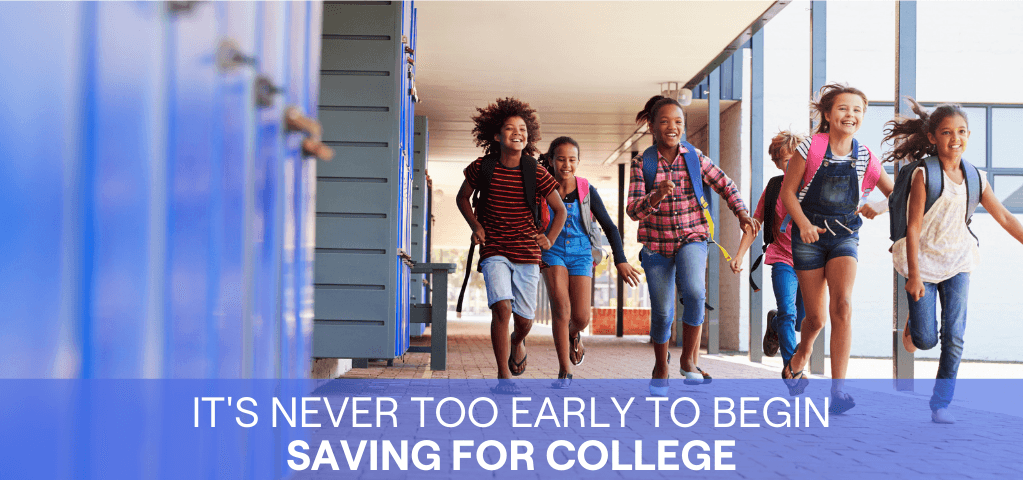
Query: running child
point(826, 180)
point(674, 230)
point(506, 223)
point(570, 260)
point(939, 251)
point(783, 325)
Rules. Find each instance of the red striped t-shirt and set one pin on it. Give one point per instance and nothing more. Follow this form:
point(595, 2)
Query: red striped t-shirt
point(507, 221)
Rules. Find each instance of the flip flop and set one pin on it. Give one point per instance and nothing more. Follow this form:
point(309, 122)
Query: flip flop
point(564, 381)
point(841, 404)
point(517, 368)
point(796, 382)
point(577, 342)
point(505, 387)
point(706, 376)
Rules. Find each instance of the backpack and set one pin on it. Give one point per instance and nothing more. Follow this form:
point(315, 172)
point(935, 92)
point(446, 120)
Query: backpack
point(819, 149)
point(934, 181)
point(480, 197)
point(590, 224)
point(695, 177)
point(770, 206)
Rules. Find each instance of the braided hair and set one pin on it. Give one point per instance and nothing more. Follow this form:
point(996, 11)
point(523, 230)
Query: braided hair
point(910, 134)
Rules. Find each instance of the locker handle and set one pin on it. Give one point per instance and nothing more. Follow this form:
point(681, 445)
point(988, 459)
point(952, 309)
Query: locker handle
point(411, 61)
point(311, 145)
point(410, 50)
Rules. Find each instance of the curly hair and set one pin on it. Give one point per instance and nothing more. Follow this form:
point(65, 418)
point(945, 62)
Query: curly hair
point(490, 120)
point(654, 105)
point(783, 144)
point(825, 99)
point(909, 135)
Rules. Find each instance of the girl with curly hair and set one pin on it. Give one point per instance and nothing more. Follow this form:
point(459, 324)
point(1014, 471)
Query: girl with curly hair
point(505, 223)
point(571, 259)
point(674, 232)
point(939, 251)
point(822, 194)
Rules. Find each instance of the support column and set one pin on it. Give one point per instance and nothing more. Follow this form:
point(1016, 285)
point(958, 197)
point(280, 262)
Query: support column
point(713, 264)
point(756, 298)
point(818, 77)
point(619, 313)
point(905, 85)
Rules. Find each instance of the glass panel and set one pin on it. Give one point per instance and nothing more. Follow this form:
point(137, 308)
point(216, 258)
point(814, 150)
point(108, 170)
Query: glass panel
point(1009, 190)
point(976, 148)
point(1006, 139)
point(872, 131)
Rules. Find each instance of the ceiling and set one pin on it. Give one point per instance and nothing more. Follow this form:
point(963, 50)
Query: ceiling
point(587, 67)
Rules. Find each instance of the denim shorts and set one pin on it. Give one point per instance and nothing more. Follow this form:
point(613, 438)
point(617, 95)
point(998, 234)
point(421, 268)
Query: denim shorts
point(811, 256)
point(511, 281)
point(573, 254)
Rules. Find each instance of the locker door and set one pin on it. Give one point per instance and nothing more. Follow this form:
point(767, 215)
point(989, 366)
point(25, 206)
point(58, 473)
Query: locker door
point(128, 198)
point(41, 176)
point(269, 193)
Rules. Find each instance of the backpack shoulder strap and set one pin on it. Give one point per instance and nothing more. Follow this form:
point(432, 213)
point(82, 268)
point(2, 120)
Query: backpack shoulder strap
point(974, 188)
point(650, 168)
point(873, 173)
point(528, 167)
point(934, 181)
point(695, 172)
point(815, 156)
point(583, 187)
point(771, 194)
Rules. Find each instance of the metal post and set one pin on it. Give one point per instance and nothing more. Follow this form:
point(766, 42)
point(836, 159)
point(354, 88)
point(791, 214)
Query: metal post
point(619, 312)
point(714, 147)
point(905, 85)
point(818, 76)
point(756, 299)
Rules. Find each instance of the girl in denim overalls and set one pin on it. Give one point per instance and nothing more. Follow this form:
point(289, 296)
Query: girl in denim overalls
point(571, 258)
point(823, 187)
point(939, 252)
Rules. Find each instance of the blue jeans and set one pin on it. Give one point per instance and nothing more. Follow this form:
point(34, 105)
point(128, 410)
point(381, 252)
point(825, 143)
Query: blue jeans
point(790, 308)
point(923, 327)
point(685, 273)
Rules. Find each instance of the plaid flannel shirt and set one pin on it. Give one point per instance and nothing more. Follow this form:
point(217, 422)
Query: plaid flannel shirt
point(678, 218)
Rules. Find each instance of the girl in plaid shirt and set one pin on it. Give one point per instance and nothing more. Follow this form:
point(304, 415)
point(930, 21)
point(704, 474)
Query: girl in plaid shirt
point(674, 233)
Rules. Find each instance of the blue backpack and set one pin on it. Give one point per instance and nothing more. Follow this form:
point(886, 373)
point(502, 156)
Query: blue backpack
point(934, 180)
point(695, 177)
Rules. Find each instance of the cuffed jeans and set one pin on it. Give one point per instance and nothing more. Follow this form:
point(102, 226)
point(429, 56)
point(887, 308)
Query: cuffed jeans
point(923, 327)
point(790, 308)
point(685, 273)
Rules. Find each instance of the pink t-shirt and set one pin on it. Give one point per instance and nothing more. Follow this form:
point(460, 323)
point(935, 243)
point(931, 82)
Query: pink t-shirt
point(781, 250)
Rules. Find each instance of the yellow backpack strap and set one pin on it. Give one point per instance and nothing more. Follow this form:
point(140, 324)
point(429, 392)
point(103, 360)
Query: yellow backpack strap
point(710, 229)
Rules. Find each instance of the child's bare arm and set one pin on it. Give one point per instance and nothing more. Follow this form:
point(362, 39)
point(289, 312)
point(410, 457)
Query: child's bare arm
point(1007, 220)
point(744, 244)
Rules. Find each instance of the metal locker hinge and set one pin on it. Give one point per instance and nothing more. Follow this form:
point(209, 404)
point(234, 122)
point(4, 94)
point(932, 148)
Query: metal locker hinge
point(265, 91)
point(312, 145)
point(406, 258)
point(230, 56)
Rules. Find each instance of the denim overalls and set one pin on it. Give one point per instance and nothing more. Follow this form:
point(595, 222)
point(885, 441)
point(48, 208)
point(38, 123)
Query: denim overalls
point(572, 247)
point(830, 203)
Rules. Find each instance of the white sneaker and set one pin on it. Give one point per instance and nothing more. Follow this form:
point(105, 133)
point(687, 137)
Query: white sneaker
point(942, 415)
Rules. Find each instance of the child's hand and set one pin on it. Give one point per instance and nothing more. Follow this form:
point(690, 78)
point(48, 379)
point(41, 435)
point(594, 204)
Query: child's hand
point(478, 236)
point(628, 274)
point(868, 210)
point(736, 264)
point(811, 233)
point(749, 224)
point(543, 241)
point(915, 287)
